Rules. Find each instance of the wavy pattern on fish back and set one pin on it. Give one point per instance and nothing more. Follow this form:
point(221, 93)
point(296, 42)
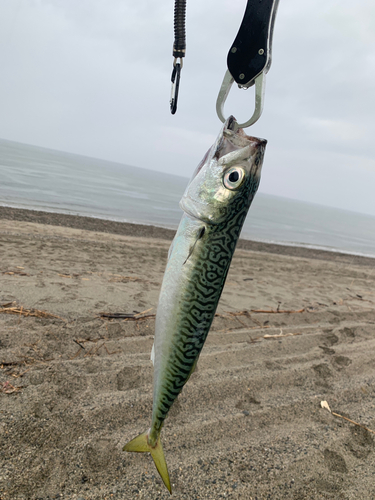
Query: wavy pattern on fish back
point(200, 298)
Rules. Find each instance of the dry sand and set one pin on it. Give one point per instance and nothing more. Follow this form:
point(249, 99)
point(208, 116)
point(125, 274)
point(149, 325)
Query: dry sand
point(248, 425)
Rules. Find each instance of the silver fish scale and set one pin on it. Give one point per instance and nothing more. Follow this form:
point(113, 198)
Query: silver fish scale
point(203, 290)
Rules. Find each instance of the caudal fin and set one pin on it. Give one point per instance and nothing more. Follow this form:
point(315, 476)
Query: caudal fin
point(140, 444)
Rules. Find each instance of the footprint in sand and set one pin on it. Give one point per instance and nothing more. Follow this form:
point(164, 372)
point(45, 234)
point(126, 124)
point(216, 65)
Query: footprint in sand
point(131, 377)
point(329, 338)
point(100, 455)
point(247, 402)
point(361, 443)
point(323, 373)
point(114, 331)
point(334, 461)
point(327, 350)
point(341, 362)
point(348, 332)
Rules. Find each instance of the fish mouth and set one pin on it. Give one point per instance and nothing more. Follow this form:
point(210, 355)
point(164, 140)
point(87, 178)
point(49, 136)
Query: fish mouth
point(231, 129)
point(230, 138)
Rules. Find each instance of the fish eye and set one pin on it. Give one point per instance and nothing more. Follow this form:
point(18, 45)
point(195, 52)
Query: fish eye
point(233, 177)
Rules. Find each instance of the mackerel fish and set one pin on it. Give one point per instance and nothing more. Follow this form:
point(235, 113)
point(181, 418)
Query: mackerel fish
point(215, 206)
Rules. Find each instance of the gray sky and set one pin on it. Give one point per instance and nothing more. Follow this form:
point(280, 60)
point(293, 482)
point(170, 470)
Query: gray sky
point(93, 77)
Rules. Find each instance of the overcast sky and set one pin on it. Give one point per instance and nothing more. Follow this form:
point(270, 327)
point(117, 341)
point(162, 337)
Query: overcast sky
point(93, 77)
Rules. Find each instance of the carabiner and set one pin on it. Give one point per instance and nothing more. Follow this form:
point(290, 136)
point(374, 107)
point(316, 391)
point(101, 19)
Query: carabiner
point(175, 79)
point(260, 85)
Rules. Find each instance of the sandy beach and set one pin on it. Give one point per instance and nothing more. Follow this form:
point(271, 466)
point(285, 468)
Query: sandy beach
point(294, 327)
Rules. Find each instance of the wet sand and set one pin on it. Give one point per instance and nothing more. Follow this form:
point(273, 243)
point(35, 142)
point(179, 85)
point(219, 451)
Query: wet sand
point(76, 387)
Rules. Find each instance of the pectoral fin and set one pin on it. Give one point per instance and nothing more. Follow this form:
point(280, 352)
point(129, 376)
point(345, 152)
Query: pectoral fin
point(200, 234)
point(152, 357)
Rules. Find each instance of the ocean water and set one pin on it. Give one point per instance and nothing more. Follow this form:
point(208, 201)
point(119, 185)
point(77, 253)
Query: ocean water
point(43, 179)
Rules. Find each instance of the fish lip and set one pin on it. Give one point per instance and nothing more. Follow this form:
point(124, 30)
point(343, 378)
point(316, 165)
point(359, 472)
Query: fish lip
point(230, 123)
point(184, 205)
point(257, 142)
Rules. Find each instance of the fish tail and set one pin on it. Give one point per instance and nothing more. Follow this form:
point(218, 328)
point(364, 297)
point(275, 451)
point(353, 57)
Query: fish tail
point(140, 444)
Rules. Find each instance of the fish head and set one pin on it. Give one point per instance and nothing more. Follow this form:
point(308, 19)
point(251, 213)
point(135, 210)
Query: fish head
point(227, 178)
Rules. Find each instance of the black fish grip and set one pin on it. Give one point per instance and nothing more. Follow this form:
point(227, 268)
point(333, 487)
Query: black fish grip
point(249, 57)
point(250, 53)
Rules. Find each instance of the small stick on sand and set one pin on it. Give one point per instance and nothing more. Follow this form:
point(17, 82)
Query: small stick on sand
point(36, 313)
point(144, 312)
point(110, 353)
point(12, 273)
point(8, 388)
point(279, 335)
point(97, 349)
point(76, 354)
point(242, 328)
point(234, 315)
point(278, 311)
point(325, 405)
point(127, 316)
point(80, 345)
point(89, 352)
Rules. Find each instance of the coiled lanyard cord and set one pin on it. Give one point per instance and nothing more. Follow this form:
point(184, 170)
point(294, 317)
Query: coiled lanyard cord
point(179, 48)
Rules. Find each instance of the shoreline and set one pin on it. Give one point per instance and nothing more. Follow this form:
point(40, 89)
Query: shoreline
point(151, 231)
